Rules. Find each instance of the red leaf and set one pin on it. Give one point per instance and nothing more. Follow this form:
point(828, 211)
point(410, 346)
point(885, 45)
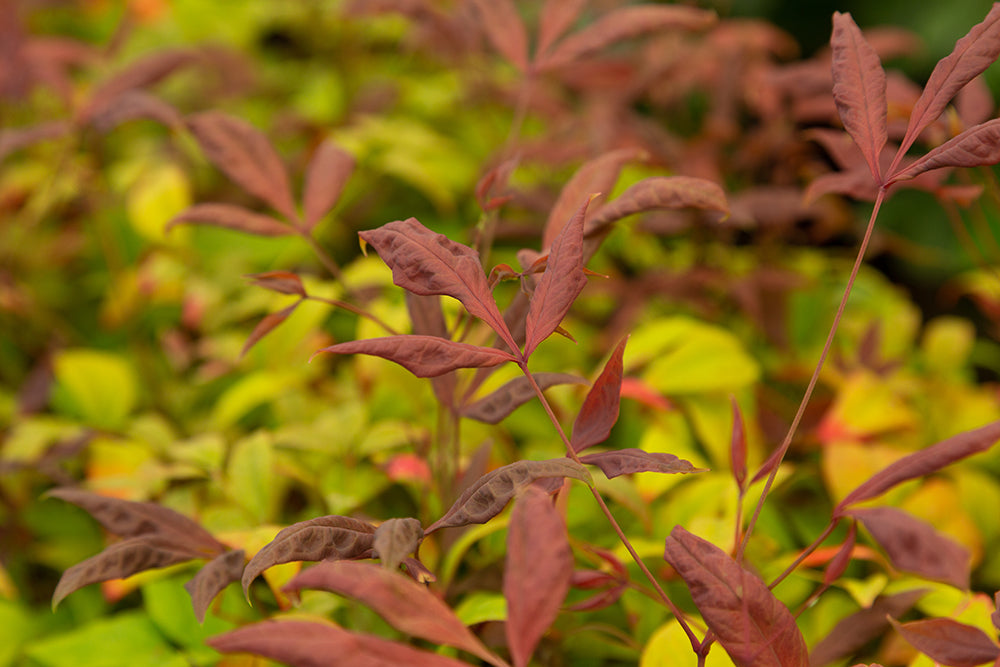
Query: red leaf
point(630, 460)
point(977, 146)
point(751, 624)
point(406, 605)
point(914, 546)
point(600, 408)
point(970, 57)
point(859, 89)
point(221, 571)
point(625, 23)
point(143, 72)
point(328, 172)
point(136, 105)
point(838, 564)
point(308, 644)
point(283, 282)
point(424, 356)
point(738, 446)
point(560, 284)
point(922, 463)
point(246, 156)
point(232, 217)
point(537, 572)
point(427, 263)
point(557, 17)
point(495, 407)
point(853, 632)
point(505, 30)
point(659, 192)
point(949, 642)
point(266, 325)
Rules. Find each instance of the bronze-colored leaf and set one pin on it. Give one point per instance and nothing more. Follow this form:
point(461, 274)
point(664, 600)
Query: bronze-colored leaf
point(266, 325)
point(631, 460)
point(283, 282)
point(948, 642)
point(395, 539)
point(232, 217)
point(212, 578)
point(424, 356)
point(328, 172)
point(496, 406)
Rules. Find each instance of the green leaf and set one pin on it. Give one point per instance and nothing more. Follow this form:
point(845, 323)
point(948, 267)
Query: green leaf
point(670, 646)
point(250, 478)
point(97, 387)
point(169, 607)
point(249, 392)
point(18, 629)
point(159, 194)
point(480, 607)
point(125, 640)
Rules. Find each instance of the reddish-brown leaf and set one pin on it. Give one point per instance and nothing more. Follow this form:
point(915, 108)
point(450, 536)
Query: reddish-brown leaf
point(233, 217)
point(496, 406)
point(406, 605)
point(970, 57)
point(977, 146)
point(266, 325)
point(751, 624)
point(326, 176)
point(122, 559)
point(659, 192)
point(922, 463)
point(600, 408)
point(560, 284)
point(537, 571)
point(859, 89)
point(838, 564)
point(738, 446)
point(324, 538)
point(136, 105)
point(212, 578)
point(428, 263)
point(490, 493)
point(860, 628)
point(424, 356)
point(428, 319)
point(16, 138)
point(916, 547)
point(949, 642)
point(283, 282)
point(631, 460)
point(246, 156)
point(557, 17)
point(395, 539)
point(625, 23)
point(505, 30)
point(309, 644)
point(143, 72)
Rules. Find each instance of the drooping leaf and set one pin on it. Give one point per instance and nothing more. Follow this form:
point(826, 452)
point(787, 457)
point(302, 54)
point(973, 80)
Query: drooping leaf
point(266, 325)
point(914, 546)
point(495, 407)
point(631, 460)
point(406, 605)
point(626, 23)
point(310, 644)
point(557, 17)
point(323, 538)
point(427, 263)
point(505, 30)
point(856, 630)
point(212, 578)
point(977, 146)
point(659, 192)
point(395, 539)
point(282, 282)
point(922, 463)
point(751, 624)
point(537, 571)
point(233, 217)
point(949, 642)
point(122, 559)
point(838, 564)
point(970, 57)
point(424, 356)
point(326, 176)
point(490, 493)
point(738, 446)
point(560, 284)
point(859, 89)
point(600, 408)
point(246, 156)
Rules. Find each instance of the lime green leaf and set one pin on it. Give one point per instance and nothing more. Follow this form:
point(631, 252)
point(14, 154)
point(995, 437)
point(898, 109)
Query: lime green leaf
point(249, 392)
point(480, 607)
point(670, 647)
point(251, 478)
point(97, 387)
point(125, 640)
point(160, 193)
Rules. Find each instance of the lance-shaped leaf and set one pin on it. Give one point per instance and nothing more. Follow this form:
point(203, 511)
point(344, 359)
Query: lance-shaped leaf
point(626, 23)
point(428, 319)
point(395, 539)
point(212, 578)
point(970, 57)
point(859, 89)
point(557, 17)
point(977, 146)
point(233, 217)
point(326, 176)
point(505, 30)
point(126, 518)
point(309, 644)
point(561, 283)
point(14, 139)
point(424, 356)
point(136, 105)
point(266, 325)
point(914, 546)
point(630, 460)
point(122, 559)
point(659, 192)
point(246, 156)
point(496, 406)
point(853, 632)
point(751, 624)
point(144, 72)
point(324, 538)
point(738, 447)
point(600, 408)
point(949, 642)
point(922, 463)
point(490, 493)
point(406, 605)
point(840, 561)
point(282, 282)
point(537, 571)
point(428, 263)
